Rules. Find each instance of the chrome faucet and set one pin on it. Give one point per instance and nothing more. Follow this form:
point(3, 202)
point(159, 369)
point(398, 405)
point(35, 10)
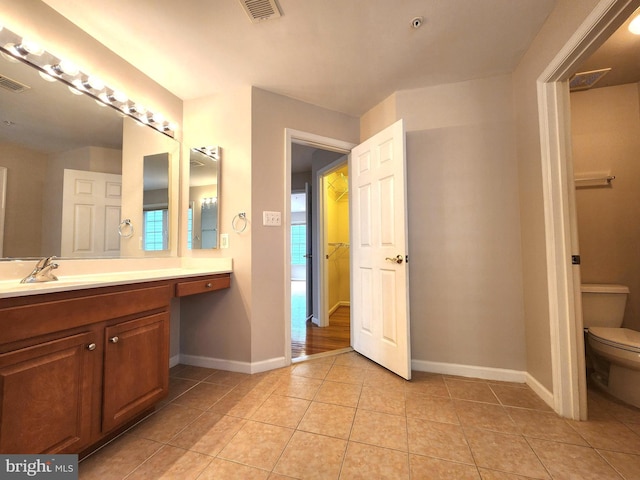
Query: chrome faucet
point(43, 271)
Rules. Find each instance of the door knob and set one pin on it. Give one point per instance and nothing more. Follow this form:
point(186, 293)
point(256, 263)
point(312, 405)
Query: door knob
point(114, 339)
point(91, 347)
point(397, 259)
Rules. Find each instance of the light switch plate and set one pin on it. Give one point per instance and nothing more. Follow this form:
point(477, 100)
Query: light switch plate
point(224, 240)
point(271, 219)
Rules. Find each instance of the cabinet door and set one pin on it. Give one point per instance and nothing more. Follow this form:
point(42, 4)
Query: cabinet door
point(136, 367)
point(45, 396)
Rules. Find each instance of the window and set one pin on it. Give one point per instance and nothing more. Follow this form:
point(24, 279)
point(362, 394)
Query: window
point(298, 244)
point(155, 230)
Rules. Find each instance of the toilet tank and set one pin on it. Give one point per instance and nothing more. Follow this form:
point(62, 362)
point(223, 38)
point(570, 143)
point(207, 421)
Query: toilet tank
point(603, 304)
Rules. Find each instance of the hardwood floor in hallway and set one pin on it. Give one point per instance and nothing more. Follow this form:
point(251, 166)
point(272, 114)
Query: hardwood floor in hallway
point(308, 339)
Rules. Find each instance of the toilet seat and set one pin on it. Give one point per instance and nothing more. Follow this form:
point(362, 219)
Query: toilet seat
point(622, 338)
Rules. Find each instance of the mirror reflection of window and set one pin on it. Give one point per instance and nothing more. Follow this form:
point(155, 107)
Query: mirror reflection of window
point(156, 202)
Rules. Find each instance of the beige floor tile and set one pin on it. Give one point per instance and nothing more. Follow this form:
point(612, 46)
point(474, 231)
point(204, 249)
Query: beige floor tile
point(487, 474)
point(503, 452)
point(238, 404)
point(220, 469)
point(470, 390)
point(346, 374)
point(345, 394)
point(609, 435)
point(626, 464)
point(544, 425)
point(441, 440)
point(170, 463)
point(208, 434)
point(202, 396)
point(366, 462)
point(380, 429)
point(299, 387)
point(257, 444)
point(312, 456)
point(328, 419)
point(119, 458)
point(177, 386)
point(427, 384)
point(519, 397)
point(281, 411)
point(389, 400)
point(230, 379)
point(565, 461)
point(194, 373)
point(381, 378)
point(428, 407)
point(436, 469)
point(312, 370)
point(163, 425)
point(353, 359)
point(485, 415)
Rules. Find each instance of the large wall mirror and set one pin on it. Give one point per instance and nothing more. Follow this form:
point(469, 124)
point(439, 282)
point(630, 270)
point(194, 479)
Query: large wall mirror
point(71, 163)
point(204, 202)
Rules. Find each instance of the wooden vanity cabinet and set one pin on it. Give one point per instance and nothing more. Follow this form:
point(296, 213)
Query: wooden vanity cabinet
point(46, 395)
point(76, 366)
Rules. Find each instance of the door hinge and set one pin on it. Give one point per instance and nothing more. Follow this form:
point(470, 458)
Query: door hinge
point(406, 259)
point(575, 259)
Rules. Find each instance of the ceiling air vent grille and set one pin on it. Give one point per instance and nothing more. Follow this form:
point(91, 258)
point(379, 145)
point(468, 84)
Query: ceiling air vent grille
point(586, 80)
point(259, 10)
point(12, 85)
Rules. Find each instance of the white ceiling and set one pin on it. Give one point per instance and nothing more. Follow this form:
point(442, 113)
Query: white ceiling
point(345, 55)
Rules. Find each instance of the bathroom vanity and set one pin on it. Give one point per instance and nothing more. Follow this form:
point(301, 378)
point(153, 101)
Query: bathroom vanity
point(80, 361)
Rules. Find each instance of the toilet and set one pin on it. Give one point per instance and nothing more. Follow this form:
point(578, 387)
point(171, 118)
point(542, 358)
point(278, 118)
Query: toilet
point(613, 352)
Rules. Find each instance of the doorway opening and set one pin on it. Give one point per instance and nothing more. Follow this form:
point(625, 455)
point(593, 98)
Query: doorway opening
point(311, 167)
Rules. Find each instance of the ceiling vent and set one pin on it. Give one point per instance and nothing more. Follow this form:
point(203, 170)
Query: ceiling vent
point(12, 85)
point(259, 10)
point(586, 80)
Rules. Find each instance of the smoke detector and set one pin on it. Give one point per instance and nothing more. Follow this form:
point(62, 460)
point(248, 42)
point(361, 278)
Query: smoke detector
point(586, 80)
point(259, 10)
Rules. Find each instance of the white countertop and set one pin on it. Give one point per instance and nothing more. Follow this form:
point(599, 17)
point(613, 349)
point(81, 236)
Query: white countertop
point(83, 274)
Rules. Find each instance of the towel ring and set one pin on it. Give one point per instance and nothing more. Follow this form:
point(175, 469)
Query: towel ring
point(242, 216)
point(125, 224)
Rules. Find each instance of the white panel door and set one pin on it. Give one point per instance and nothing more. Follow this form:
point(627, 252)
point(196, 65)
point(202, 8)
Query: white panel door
point(90, 214)
point(379, 245)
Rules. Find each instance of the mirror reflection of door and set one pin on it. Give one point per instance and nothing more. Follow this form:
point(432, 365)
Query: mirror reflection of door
point(155, 203)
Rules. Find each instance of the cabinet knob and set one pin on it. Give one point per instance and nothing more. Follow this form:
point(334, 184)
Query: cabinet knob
point(208, 285)
point(91, 346)
point(114, 339)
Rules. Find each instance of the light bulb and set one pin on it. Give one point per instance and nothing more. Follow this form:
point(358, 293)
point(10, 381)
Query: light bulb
point(634, 26)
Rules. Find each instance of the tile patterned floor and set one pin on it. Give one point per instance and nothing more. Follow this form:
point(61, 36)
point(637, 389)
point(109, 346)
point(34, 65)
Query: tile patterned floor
point(344, 417)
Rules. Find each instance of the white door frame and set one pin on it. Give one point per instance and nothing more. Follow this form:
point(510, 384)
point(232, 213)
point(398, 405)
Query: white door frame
point(565, 306)
point(309, 139)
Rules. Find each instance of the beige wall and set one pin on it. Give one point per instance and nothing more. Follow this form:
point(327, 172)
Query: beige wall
point(24, 197)
point(218, 325)
point(464, 239)
point(605, 125)
point(561, 24)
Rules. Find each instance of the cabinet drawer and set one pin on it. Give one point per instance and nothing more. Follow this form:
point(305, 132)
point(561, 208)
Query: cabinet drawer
point(203, 285)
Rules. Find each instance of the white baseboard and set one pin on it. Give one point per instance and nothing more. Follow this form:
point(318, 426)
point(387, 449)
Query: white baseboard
point(343, 303)
point(541, 390)
point(173, 361)
point(233, 365)
point(486, 373)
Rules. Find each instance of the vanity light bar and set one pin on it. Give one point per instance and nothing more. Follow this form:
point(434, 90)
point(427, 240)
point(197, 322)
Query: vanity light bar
point(15, 48)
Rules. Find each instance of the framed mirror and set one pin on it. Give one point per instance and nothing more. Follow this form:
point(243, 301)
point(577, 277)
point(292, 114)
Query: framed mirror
point(54, 145)
point(204, 203)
